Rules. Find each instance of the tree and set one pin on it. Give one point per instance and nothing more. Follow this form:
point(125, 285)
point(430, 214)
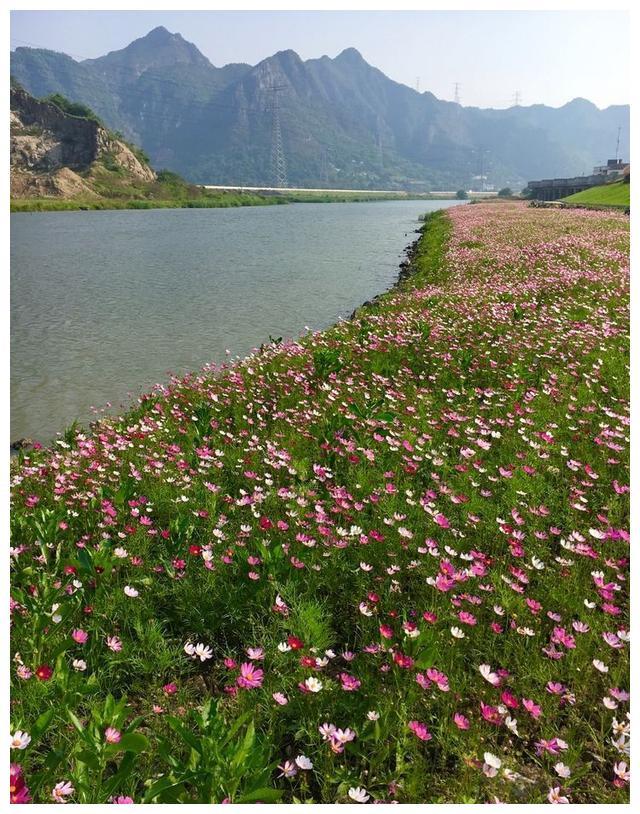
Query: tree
point(505, 192)
point(461, 195)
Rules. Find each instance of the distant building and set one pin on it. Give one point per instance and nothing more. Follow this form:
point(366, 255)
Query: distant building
point(612, 169)
point(551, 189)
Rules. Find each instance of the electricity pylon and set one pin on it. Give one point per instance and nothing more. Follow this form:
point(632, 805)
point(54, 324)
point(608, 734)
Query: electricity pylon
point(278, 160)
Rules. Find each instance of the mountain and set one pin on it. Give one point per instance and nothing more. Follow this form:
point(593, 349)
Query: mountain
point(343, 122)
point(54, 153)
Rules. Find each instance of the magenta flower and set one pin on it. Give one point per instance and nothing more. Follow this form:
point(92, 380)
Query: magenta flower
point(420, 730)
point(349, 683)
point(79, 636)
point(250, 676)
point(18, 791)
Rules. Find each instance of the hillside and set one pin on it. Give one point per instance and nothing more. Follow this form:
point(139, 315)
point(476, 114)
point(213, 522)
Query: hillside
point(387, 562)
point(62, 157)
point(617, 194)
point(344, 123)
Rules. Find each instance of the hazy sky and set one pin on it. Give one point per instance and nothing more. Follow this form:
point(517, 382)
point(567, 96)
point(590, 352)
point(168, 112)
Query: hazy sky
point(548, 57)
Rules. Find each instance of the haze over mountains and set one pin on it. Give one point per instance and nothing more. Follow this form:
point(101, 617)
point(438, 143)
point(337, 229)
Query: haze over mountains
point(343, 122)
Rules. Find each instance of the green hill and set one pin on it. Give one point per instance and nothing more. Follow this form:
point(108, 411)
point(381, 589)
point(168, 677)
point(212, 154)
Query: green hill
point(617, 194)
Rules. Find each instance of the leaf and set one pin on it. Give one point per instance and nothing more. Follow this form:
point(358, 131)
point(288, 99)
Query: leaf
point(75, 721)
point(85, 561)
point(42, 724)
point(89, 759)
point(245, 747)
point(184, 733)
point(133, 742)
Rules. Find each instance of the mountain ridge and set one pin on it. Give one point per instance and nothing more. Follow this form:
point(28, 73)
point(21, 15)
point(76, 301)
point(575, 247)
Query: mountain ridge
point(343, 121)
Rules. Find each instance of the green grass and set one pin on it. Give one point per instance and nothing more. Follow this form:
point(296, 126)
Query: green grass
point(617, 194)
point(455, 457)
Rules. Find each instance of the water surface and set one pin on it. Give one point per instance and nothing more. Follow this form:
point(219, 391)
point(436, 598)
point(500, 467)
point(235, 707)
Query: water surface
point(106, 304)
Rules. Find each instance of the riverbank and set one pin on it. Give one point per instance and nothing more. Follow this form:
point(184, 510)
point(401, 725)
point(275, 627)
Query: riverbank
point(361, 563)
point(218, 199)
point(210, 201)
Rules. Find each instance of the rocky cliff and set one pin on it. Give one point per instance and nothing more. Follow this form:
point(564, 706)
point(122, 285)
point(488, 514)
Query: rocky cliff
point(57, 154)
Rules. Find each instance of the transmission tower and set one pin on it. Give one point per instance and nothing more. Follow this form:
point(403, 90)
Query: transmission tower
point(418, 84)
point(278, 161)
point(618, 143)
point(456, 93)
point(517, 99)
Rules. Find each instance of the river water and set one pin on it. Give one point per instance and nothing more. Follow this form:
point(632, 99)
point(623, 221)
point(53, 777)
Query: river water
point(106, 304)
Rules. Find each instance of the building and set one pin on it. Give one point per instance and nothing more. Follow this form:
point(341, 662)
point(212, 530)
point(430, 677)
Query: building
point(552, 189)
point(612, 169)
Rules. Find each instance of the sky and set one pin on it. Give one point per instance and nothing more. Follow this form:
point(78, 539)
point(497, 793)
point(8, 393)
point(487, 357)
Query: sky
point(547, 57)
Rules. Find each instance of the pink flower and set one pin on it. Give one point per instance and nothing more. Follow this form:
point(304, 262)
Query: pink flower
point(121, 800)
point(532, 708)
point(460, 721)
point(62, 790)
point(250, 676)
point(420, 730)
point(114, 643)
point(112, 735)
point(349, 683)
point(79, 636)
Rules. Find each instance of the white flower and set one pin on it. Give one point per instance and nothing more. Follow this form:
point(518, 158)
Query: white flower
point(491, 764)
point(365, 610)
point(492, 678)
point(202, 651)
point(457, 633)
point(120, 553)
point(358, 794)
point(303, 762)
point(79, 665)
point(512, 725)
point(129, 591)
point(601, 666)
point(562, 770)
point(313, 684)
point(283, 647)
point(20, 739)
point(372, 715)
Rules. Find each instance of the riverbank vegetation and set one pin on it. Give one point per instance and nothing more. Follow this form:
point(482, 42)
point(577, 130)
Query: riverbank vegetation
point(172, 192)
point(386, 562)
point(616, 194)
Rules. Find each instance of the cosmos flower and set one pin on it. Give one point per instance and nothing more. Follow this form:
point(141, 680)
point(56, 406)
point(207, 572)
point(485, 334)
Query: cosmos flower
point(61, 791)
point(250, 676)
point(20, 739)
point(358, 794)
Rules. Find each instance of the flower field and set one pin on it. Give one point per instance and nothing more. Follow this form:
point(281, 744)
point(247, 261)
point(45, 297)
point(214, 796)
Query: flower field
point(386, 562)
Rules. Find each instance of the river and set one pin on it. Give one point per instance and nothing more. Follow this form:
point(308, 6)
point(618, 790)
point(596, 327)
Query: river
point(106, 304)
